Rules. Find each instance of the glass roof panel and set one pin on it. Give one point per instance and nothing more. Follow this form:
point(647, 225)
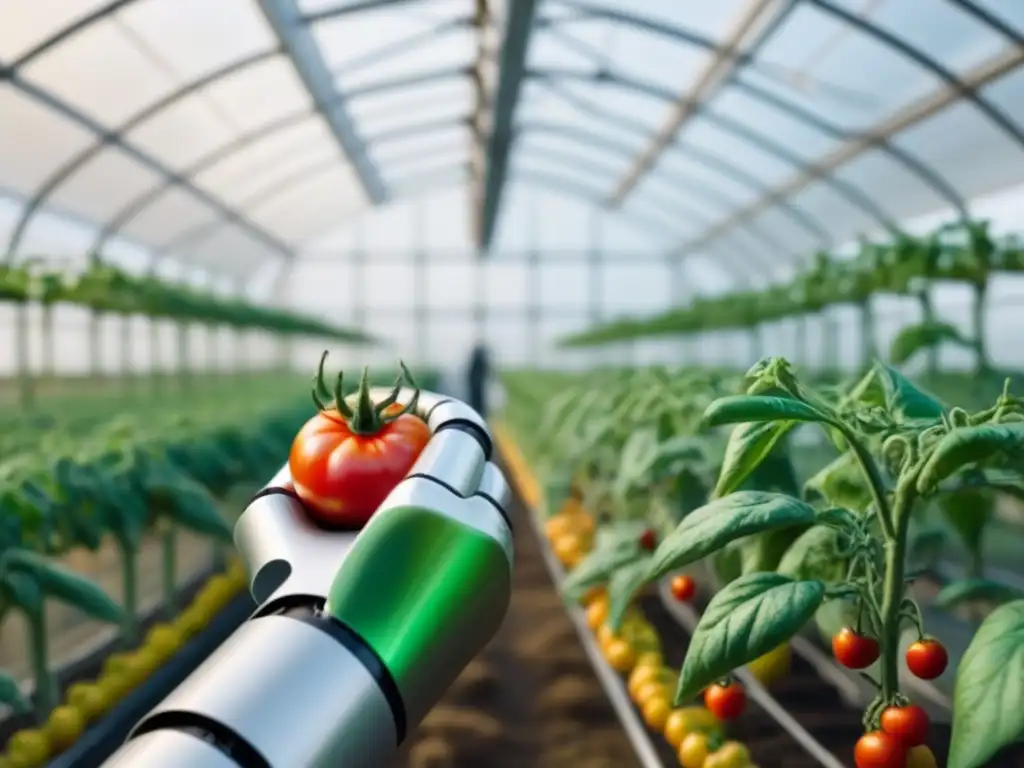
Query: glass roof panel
point(765, 164)
point(195, 37)
point(234, 172)
point(34, 141)
point(173, 212)
point(228, 248)
point(27, 24)
point(105, 183)
point(424, 144)
point(697, 180)
point(104, 72)
point(789, 231)
point(183, 133)
point(254, 96)
point(540, 105)
point(304, 210)
point(275, 179)
point(388, 110)
point(835, 213)
point(1009, 12)
point(451, 157)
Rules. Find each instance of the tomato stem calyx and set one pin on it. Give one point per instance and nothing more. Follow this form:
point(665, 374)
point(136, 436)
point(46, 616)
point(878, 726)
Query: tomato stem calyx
point(366, 418)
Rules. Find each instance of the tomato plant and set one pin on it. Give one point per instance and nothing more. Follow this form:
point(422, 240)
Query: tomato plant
point(683, 588)
point(908, 724)
point(351, 455)
point(726, 700)
point(853, 649)
point(927, 658)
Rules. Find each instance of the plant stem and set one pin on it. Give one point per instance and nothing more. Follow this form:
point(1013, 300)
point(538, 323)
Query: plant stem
point(979, 308)
point(46, 685)
point(874, 478)
point(928, 316)
point(169, 545)
point(894, 587)
point(129, 578)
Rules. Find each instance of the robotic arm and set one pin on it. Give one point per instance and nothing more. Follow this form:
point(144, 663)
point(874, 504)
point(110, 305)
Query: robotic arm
point(357, 634)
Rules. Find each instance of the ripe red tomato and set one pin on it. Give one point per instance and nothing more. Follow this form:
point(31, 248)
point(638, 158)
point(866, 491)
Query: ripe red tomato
point(345, 462)
point(854, 651)
point(726, 701)
point(879, 750)
point(648, 540)
point(908, 724)
point(683, 588)
point(927, 659)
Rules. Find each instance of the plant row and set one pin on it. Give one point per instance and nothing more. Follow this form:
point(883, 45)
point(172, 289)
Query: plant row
point(963, 252)
point(105, 288)
point(680, 469)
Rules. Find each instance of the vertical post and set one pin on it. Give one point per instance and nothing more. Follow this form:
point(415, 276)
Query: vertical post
point(535, 308)
point(420, 309)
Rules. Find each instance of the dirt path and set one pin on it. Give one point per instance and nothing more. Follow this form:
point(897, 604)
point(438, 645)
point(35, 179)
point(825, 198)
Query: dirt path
point(531, 699)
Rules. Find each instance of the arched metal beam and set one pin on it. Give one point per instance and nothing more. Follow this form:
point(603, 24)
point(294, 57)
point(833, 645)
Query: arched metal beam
point(296, 38)
point(995, 114)
point(990, 20)
point(902, 119)
point(589, 194)
point(124, 217)
point(408, 43)
point(351, 8)
point(928, 176)
point(114, 136)
point(670, 207)
point(146, 160)
point(707, 160)
point(853, 195)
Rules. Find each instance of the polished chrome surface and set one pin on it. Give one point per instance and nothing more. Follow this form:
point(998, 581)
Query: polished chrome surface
point(494, 484)
point(284, 552)
point(295, 694)
point(456, 410)
point(455, 458)
point(169, 749)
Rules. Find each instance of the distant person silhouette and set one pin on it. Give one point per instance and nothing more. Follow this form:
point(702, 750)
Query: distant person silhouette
point(479, 371)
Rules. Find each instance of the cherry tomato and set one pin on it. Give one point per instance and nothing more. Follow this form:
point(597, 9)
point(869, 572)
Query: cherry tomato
point(683, 588)
point(725, 700)
point(648, 540)
point(879, 750)
point(921, 757)
point(909, 724)
point(854, 651)
point(927, 659)
point(345, 462)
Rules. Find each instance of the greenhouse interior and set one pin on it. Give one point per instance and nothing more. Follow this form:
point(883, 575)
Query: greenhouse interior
point(511, 383)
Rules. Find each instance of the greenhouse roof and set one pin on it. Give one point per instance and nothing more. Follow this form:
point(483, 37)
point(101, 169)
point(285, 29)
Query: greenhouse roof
point(233, 133)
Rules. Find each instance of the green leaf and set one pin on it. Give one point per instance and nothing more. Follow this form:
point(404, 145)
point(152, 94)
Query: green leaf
point(968, 512)
point(193, 508)
point(970, 445)
point(732, 517)
point(597, 567)
point(866, 392)
point(739, 409)
point(727, 565)
point(764, 551)
point(637, 455)
point(622, 586)
point(815, 555)
point(841, 483)
point(751, 616)
point(989, 689)
point(11, 695)
point(921, 336)
point(976, 590)
point(905, 400)
point(749, 444)
point(65, 585)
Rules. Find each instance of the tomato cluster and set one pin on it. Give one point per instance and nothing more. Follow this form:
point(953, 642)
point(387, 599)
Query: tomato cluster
point(926, 659)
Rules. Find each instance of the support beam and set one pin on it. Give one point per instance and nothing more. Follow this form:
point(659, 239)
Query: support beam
point(755, 17)
point(296, 38)
point(904, 119)
point(511, 74)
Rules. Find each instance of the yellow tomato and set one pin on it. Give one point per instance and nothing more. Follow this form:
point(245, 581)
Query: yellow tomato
point(569, 550)
point(64, 726)
point(773, 666)
point(557, 526)
point(687, 720)
point(597, 614)
point(693, 750)
point(88, 699)
point(605, 636)
point(620, 656)
point(652, 689)
point(641, 675)
point(656, 711)
point(28, 748)
point(114, 686)
point(649, 659)
point(731, 754)
point(164, 640)
point(191, 621)
point(921, 757)
point(116, 663)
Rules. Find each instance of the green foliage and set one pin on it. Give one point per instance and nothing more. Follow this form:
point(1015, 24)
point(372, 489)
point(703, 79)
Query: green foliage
point(913, 339)
point(989, 689)
point(751, 616)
